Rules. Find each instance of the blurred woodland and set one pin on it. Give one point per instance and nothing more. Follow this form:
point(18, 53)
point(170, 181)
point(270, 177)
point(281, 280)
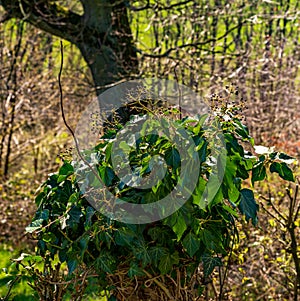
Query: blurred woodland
point(206, 45)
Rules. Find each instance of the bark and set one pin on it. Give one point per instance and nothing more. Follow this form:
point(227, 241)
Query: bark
point(102, 33)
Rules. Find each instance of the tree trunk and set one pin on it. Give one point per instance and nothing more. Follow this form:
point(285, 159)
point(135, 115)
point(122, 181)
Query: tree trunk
point(108, 49)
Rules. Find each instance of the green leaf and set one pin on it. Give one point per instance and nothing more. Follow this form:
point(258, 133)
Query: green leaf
point(180, 226)
point(135, 270)
point(248, 205)
point(83, 244)
point(35, 225)
point(230, 210)
point(124, 237)
point(209, 263)
point(258, 172)
point(191, 243)
point(49, 237)
point(124, 146)
point(66, 169)
point(212, 240)
point(241, 129)
point(24, 257)
point(229, 176)
point(74, 216)
point(156, 253)
point(140, 251)
point(107, 175)
point(44, 214)
point(72, 264)
point(283, 170)
point(39, 198)
point(198, 196)
point(90, 211)
point(105, 262)
point(286, 158)
point(73, 198)
point(167, 262)
point(172, 158)
point(62, 255)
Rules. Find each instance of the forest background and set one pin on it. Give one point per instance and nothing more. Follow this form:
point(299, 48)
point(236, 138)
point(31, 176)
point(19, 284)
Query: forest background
point(251, 45)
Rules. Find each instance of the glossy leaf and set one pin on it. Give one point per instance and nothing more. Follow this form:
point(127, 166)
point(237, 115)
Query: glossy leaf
point(258, 172)
point(35, 225)
point(283, 170)
point(248, 205)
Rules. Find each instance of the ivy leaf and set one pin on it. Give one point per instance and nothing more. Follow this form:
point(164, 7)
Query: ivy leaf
point(209, 263)
point(83, 244)
point(177, 222)
point(90, 211)
point(135, 270)
point(72, 263)
point(105, 262)
point(191, 243)
point(66, 169)
point(258, 172)
point(180, 226)
point(124, 237)
point(167, 262)
point(212, 240)
point(140, 252)
point(286, 158)
point(248, 205)
point(64, 172)
point(35, 225)
point(107, 175)
point(74, 216)
point(73, 198)
point(156, 253)
point(172, 158)
point(283, 170)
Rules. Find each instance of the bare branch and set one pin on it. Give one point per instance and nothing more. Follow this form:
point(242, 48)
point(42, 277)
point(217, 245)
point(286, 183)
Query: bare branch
point(51, 18)
point(5, 17)
point(194, 44)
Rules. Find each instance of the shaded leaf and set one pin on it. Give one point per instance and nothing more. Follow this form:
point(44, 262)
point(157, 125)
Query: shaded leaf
point(283, 170)
point(167, 262)
point(172, 158)
point(191, 243)
point(248, 205)
point(209, 263)
point(156, 253)
point(135, 270)
point(258, 172)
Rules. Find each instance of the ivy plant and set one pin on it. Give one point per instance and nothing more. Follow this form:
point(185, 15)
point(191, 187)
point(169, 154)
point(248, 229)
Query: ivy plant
point(71, 231)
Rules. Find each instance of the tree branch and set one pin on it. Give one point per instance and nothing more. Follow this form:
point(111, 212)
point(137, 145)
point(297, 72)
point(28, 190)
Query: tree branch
point(194, 44)
point(51, 18)
point(6, 16)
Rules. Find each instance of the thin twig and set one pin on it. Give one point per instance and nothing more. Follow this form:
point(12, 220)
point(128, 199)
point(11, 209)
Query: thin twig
point(64, 117)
